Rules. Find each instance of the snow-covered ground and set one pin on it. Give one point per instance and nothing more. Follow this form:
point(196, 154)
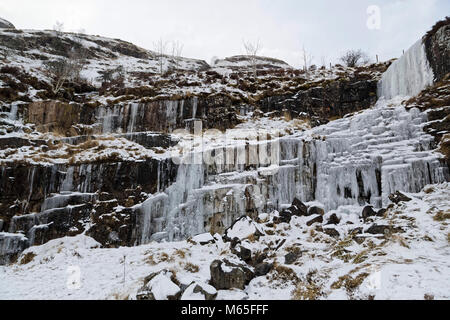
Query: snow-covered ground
point(414, 264)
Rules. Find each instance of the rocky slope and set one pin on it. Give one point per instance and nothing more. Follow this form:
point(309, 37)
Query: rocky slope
point(144, 157)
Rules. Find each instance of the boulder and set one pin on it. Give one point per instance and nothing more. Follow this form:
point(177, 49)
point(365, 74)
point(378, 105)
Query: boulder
point(332, 232)
point(315, 210)
point(243, 253)
point(368, 212)
point(399, 197)
point(241, 229)
point(382, 229)
point(226, 275)
point(199, 291)
point(299, 208)
point(262, 269)
point(315, 219)
point(291, 257)
point(159, 286)
point(333, 219)
point(202, 239)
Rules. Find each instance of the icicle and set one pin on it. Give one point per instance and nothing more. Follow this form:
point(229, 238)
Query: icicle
point(408, 75)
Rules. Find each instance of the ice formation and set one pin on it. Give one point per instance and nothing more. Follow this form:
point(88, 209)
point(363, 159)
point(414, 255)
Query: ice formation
point(356, 160)
point(408, 75)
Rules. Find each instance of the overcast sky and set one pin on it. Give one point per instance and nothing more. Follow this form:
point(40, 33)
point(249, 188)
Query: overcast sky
point(210, 28)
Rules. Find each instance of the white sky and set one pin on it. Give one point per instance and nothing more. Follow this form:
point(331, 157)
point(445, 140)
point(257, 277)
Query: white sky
point(210, 28)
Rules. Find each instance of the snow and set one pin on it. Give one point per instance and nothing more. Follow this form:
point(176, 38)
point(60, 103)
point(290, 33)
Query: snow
point(242, 229)
point(398, 272)
point(162, 287)
point(203, 238)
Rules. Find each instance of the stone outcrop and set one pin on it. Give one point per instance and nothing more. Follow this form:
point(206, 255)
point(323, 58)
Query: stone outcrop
point(325, 100)
point(5, 24)
point(437, 44)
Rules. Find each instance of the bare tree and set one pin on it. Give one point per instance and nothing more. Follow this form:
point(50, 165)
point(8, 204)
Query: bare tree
point(307, 59)
point(177, 49)
point(65, 69)
point(353, 58)
point(160, 48)
point(252, 50)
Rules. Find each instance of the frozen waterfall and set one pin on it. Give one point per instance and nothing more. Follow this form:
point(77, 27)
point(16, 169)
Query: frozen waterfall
point(356, 160)
point(408, 75)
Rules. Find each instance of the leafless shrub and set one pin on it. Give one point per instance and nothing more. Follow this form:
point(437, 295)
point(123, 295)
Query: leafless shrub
point(353, 58)
point(160, 49)
point(252, 50)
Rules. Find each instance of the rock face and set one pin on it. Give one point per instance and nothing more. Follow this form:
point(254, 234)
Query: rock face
point(437, 44)
point(11, 245)
point(215, 112)
point(4, 24)
point(329, 100)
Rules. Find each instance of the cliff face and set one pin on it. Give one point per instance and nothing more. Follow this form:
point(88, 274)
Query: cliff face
point(116, 161)
point(437, 43)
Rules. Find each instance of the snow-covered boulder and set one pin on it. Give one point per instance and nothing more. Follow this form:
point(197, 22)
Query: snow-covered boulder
point(243, 228)
point(159, 286)
point(199, 291)
point(228, 275)
point(202, 239)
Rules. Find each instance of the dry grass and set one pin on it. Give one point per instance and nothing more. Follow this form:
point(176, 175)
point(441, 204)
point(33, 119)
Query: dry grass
point(309, 288)
point(441, 216)
point(192, 268)
point(120, 296)
point(349, 283)
point(284, 274)
point(27, 258)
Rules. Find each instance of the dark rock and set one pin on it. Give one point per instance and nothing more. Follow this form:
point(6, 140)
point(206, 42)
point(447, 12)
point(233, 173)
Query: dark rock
point(368, 212)
point(331, 232)
point(333, 219)
point(262, 269)
point(234, 242)
point(315, 210)
point(377, 229)
point(399, 197)
point(316, 219)
point(235, 276)
point(298, 208)
point(243, 253)
point(381, 212)
point(291, 257)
